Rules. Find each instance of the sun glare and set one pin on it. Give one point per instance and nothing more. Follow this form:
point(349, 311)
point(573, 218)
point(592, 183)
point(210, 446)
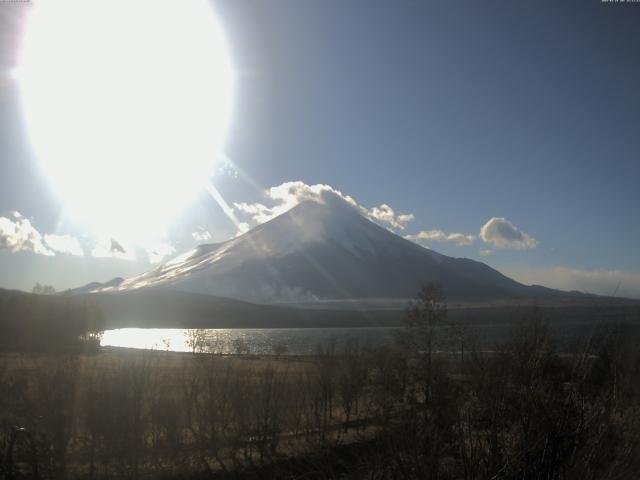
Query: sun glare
point(127, 106)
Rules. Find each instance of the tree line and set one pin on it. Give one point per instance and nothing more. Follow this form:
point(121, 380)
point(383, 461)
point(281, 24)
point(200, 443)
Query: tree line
point(48, 322)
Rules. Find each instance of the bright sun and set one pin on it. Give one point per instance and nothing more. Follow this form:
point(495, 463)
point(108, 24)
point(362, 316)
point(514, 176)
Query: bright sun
point(127, 106)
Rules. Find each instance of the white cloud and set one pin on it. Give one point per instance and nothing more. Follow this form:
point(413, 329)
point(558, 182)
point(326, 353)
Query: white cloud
point(459, 239)
point(64, 244)
point(601, 282)
point(287, 195)
point(501, 233)
point(18, 235)
point(111, 248)
point(385, 214)
point(201, 235)
point(486, 251)
point(157, 252)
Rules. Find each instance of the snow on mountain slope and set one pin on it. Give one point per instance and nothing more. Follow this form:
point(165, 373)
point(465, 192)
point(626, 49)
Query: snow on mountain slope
point(321, 251)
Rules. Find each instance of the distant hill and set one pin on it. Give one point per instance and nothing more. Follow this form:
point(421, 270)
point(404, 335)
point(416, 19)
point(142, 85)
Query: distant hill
point(156, 308)
point(93, 286)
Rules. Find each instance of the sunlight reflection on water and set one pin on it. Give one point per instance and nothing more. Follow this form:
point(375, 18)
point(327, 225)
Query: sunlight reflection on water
point(298, 341)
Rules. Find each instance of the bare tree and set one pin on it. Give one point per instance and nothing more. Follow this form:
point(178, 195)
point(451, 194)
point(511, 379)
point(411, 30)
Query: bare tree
point(43, 289)
point(196, 340)
point(423, 323)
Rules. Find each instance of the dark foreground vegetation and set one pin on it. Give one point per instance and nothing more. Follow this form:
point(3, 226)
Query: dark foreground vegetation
point(45, 323)
point(431, 406)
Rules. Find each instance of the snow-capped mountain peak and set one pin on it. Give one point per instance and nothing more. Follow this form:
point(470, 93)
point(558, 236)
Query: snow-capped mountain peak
point(320, 250)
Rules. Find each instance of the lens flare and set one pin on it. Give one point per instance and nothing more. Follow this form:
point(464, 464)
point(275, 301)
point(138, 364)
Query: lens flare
point(127, 105)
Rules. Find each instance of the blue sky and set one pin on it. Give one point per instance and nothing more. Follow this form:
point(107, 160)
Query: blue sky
point(454, 112)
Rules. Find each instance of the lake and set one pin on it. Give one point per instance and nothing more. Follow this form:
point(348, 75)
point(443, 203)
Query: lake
point(305, 341)
point(260, 341)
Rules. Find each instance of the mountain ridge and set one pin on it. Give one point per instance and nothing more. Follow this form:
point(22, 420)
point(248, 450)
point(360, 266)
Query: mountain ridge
point(321, 251)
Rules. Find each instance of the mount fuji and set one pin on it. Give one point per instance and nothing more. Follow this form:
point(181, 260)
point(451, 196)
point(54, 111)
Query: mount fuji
point(324, 251)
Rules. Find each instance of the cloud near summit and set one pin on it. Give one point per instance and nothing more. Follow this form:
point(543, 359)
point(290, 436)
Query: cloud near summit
point(287, 195)
point(497, 231)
